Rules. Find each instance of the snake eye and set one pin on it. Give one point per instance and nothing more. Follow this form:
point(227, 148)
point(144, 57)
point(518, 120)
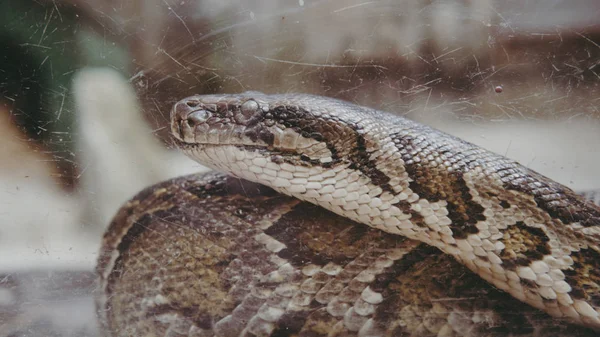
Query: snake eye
point(248, 110)
point(198, 117)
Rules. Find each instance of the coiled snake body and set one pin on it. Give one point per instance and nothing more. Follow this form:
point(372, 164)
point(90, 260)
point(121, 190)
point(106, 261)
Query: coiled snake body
point(295, 269)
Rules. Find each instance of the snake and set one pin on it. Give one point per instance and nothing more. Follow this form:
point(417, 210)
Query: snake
point(334, 219)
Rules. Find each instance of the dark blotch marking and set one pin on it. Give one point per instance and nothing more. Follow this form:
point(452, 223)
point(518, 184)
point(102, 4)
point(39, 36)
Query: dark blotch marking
point(300, 120)
point(401, 266)
point(259, 133)
point(314, 235)
point(302, 244)
point(586, 262)
point(137, 229)
point(415, 217)
point(504, 204)
point(266, 136)
point(308, 126)
point(437, 183)
point(330, 132)
point(359, 159)
point(523, 244)
point(416, 281)
point(558, 201)
point(464, 214)
point(290, 324)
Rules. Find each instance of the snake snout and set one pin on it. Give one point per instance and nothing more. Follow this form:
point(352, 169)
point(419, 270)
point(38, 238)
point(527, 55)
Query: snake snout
point(185, 116)
point(183, 109)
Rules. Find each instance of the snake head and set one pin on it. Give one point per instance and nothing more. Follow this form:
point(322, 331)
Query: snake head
point(218, 120)
point(216, 129)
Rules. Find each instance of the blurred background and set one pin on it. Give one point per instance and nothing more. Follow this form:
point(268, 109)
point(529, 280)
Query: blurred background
point(86, 87)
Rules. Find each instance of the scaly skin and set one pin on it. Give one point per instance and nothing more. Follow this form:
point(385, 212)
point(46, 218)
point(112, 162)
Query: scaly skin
point(517, 229)
point(213, 255)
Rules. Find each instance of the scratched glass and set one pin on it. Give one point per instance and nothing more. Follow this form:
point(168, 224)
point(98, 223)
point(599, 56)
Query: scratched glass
point(87, 87)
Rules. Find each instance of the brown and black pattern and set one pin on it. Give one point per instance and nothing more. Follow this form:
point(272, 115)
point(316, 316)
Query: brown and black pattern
point(345, 140)
point(153, 263)
point(461, 198)
point(454, 296)
point(560, 202)
point(438, 183)
point(587, 281)
point(323, 242)
point(199, 271)
point(360, 160)
point(523, 244)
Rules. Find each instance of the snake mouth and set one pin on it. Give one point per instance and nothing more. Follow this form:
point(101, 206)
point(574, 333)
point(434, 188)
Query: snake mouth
point(182, 144)
point(201, 147)
point(186, 145)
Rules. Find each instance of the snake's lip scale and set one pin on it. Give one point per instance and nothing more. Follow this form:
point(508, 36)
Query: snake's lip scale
point(199, 146)
point(183, 145)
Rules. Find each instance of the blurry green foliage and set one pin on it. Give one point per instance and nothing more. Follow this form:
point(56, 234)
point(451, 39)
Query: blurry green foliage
point(42, 44)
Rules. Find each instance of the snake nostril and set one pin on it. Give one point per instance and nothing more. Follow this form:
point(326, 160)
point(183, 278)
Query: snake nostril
point(192, 103)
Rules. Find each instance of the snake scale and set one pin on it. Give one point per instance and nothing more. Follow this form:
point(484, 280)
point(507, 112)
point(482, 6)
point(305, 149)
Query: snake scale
point(217, 255)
